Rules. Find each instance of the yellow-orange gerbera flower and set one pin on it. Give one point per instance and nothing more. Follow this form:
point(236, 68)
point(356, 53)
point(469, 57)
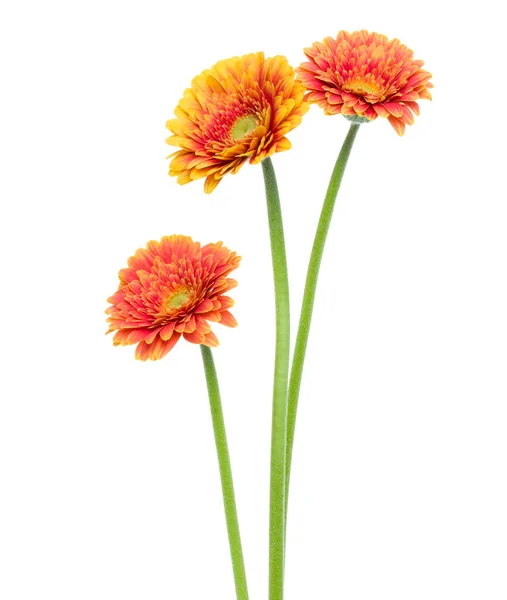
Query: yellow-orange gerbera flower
point(366, 75)
point(172, 288)
point(237, 111)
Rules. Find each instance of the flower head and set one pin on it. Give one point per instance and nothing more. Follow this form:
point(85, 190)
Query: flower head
point(172, 288)
point(237, 111)
point(365, 75)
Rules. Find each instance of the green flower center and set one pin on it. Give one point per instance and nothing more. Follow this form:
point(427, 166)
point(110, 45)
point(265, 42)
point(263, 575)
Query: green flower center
point(364, 87)
point(177, 300)
point(243, 127)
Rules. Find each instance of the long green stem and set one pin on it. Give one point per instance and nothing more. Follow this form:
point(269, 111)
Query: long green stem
point(224, 463)
point(282, 355)
point(309, 297)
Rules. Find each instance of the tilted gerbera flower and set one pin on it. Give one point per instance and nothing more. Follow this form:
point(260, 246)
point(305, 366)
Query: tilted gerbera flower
point(365, 75)
point(172, 288)
point(237, 111)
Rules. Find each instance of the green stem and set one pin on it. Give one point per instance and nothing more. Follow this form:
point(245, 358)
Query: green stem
point(309, 297)
point(224, 463)
point(282, 355)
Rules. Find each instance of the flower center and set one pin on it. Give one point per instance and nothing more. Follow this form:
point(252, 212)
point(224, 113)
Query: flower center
point(243, 127)
point(177, 300)
point(363, 88)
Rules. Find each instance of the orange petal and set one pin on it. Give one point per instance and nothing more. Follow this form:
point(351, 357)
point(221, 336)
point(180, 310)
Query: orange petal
point(225, 302)
point(202, 325)
point(211, 340)
point(137, 335)
point(398, 125)
point(142, 351)
point(212, 315)
point(394, 108)
point(210, 184)
point(205, 306)
point(227, 319)
point(167, 331)
point(414, 107)
point(190, 325)
point(151, 337)
point(120, 337)
point(196, 337)
point(160, 348)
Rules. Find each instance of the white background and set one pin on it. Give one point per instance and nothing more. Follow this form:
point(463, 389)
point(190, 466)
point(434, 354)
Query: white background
point(108, 474)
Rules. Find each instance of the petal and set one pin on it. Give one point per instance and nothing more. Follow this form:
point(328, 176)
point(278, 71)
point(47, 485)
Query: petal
point(190, 325)
point(227, 319)
point(161, 347)
point(381, 110)
point(157, 350)
point(210, 340)
point(212, 315)
point(397, 124)
point(137, 335)
point(210, 184)
point(151, 337)
point(202, 325)
point(120, 337)
point(205, 306)
point(225, 302)
point(414, 107)
point(394, 108)
point(196, 337)
point(142, 351)
point(167, 331)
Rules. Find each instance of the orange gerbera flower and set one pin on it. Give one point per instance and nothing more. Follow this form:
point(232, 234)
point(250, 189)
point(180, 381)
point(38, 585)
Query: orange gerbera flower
point(172, 288)
point(365, 75)
point(237, 111)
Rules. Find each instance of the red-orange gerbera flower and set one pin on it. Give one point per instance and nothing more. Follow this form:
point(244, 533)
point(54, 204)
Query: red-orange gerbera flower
point(237, 111)
point(172, 288)
point(366, 75)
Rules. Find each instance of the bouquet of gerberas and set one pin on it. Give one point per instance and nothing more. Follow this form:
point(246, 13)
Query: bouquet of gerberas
point(241, 110)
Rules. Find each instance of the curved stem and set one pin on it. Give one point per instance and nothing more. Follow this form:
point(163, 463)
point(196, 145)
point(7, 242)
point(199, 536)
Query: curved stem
point(224, 463)
point(309, 297)
point(279, 423)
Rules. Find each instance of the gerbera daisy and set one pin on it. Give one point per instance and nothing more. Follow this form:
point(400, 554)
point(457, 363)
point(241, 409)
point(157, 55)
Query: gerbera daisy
point(237, 111)
point(364, 74)
point(172, 288)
